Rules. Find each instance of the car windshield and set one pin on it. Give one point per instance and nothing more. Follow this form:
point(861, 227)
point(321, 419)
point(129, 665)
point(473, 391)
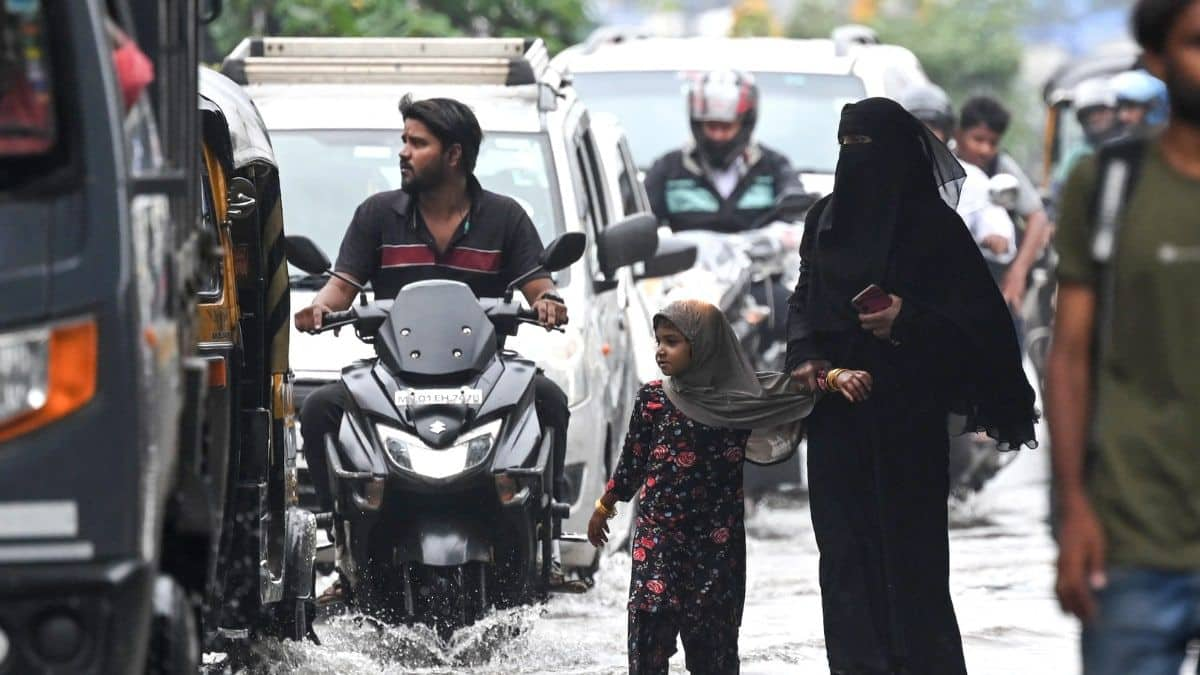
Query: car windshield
point(328, 173)
point(798, 112)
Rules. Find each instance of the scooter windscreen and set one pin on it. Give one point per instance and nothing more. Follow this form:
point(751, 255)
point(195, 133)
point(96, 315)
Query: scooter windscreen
point(436, 329)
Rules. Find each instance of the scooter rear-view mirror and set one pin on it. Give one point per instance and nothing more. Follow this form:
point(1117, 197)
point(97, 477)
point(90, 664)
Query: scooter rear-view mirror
point(303, 254)
point(563, 251)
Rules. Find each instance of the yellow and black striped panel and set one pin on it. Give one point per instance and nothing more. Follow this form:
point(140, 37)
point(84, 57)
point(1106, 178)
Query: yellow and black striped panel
point(275, 273)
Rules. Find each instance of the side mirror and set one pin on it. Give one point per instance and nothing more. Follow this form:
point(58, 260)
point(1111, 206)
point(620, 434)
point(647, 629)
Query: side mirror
point(563, 251)
point(627, 242)
point(304, 254)
point(1004, 189)
point(672, 257)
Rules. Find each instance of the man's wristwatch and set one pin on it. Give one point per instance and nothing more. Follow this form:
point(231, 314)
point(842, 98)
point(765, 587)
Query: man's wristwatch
point(552, 297)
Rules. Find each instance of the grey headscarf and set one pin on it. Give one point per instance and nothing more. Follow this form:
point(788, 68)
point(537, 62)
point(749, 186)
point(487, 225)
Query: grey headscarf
point(720, 388)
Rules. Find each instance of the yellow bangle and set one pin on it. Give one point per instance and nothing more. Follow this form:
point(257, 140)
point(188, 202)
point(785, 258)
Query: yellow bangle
point(831, 379)
point(608, 513)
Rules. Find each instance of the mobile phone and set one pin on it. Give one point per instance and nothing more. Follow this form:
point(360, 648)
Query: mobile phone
point(872, 299)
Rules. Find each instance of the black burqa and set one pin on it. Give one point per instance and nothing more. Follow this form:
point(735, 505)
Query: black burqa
point(878, 471)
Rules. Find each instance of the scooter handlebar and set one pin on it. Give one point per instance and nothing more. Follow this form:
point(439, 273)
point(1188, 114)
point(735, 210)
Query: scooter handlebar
point(332, 320)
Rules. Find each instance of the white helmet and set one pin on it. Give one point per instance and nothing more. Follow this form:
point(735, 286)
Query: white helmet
point(1096, 92)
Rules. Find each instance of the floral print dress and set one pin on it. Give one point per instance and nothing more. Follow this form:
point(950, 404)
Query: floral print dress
point(689, 546)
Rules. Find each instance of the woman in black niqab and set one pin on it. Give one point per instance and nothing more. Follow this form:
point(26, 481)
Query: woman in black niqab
point(878, 472)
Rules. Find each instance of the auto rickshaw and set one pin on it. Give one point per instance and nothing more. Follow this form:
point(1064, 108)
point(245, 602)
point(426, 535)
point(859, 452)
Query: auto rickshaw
point(259, 576)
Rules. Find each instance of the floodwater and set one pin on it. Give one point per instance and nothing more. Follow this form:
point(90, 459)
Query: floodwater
point(1002, 581)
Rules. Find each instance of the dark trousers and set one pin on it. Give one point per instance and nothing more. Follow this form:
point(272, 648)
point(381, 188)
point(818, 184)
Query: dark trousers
point(710, 642)
point(322, 412)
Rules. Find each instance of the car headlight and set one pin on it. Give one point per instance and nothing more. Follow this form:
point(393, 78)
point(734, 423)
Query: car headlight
point(45, 373)
point(412, 454)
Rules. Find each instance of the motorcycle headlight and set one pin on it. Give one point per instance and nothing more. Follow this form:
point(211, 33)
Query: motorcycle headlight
point(412, 454)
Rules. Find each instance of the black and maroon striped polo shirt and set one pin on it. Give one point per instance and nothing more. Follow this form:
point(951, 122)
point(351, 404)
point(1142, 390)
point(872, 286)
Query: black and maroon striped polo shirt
point(389, 245)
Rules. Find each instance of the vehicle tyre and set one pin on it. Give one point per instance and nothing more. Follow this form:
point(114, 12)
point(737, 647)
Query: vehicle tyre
point(174, 636)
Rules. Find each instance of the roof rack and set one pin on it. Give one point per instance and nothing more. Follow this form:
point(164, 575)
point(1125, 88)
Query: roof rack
point(498, 61)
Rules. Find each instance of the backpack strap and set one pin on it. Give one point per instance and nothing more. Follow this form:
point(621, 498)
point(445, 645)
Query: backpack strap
point(1119, 165)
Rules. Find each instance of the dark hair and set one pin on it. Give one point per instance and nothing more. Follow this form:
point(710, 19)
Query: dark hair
point(1152, 21)
point(451, 121)
point(984, 110)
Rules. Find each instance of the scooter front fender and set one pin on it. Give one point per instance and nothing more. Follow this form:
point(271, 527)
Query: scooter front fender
point(444, 540)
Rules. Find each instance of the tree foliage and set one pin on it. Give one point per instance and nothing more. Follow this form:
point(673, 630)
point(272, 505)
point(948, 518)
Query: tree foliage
point(558, 22)
point(966, 46)
point(754, 18)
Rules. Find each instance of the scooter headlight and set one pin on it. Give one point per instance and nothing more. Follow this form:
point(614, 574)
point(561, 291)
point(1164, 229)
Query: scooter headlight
point(412, 454)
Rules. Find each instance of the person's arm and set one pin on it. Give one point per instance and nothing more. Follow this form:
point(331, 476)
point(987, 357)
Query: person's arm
point(630, 473)
point(1038, 231)
point(522, 253)
point(804, 359)
point(334, 296)
point(993, 229)
point(1068, 392)
point(550, 311)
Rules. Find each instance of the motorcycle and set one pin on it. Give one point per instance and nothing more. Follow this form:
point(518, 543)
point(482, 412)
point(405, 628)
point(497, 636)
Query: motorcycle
point(441, 471)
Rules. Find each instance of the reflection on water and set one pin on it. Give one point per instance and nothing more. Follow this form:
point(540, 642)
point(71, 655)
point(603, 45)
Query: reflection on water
point(1002, 582)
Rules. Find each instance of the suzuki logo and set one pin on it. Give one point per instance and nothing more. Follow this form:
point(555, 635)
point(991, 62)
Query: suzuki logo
point(437, 427)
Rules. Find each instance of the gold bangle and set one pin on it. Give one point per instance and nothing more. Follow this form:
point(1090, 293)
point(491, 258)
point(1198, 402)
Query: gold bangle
point(608, 513)
point(831, 379)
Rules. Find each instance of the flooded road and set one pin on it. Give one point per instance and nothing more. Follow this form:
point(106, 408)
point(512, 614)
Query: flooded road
point(1002, 581)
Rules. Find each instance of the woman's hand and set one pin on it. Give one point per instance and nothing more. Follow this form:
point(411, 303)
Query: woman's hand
point(807, 374)
point(855, 385)
point(598, 528)
point(880, 324)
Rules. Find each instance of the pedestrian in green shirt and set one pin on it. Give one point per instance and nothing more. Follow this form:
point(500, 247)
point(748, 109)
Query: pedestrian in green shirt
point(1124, 375)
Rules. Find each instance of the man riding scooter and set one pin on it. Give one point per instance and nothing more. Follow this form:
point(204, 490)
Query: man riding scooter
point(441, 224)
point(723, 180)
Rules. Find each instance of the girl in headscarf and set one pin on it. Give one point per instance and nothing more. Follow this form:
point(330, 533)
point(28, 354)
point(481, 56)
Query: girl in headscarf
point(688, 438)
point(878, 472)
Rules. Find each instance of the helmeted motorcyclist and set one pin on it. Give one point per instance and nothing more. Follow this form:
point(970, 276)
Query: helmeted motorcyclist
point(1141, 100)
point(990, 225)
point(440, 225)
point(724, 181)
point(1095, 104)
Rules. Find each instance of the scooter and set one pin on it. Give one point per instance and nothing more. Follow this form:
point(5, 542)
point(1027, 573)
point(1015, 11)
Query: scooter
point(441, 471)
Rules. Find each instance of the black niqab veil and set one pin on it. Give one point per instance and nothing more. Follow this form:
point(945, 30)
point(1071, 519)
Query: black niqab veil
point(904, 184)
point(903, 162)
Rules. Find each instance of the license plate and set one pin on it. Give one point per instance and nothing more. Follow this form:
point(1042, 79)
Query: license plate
point(424, 397)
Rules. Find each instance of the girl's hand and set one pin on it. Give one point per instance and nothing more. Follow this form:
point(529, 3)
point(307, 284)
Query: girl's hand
point(855, 385)
point(598, 529)
point(879, 324)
